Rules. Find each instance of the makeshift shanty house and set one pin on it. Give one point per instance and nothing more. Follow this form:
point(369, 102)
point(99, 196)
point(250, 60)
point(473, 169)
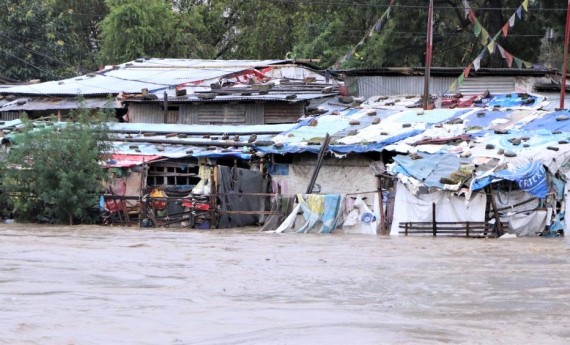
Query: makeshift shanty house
point(179, 174)
point(391, 81)
point(478, 165)
point(487, 166)
point(181, 91)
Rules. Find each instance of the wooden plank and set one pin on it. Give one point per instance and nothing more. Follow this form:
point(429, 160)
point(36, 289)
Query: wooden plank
point(247, 212)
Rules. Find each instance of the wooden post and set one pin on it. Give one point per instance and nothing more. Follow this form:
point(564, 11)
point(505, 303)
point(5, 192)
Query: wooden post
point(381, 207)
point(428, 55)
point(165, 105)
point(467, 230)
point(142, 209)
point(212, 198)
point(406, 229)
point(434, 225)
point(498, 223)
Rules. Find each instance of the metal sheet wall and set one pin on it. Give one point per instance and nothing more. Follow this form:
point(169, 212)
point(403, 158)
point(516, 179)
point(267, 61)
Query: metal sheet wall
point(283, 112)
point(414, 85)
point(210, 114)
point(9, 115)
point(145, 113)
point(219, 113)
point(478, 85)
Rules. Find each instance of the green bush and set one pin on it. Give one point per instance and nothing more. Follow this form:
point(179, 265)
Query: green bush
point(53, 171)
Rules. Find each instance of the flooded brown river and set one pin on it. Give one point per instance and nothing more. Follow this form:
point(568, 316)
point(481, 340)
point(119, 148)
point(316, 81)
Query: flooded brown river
point(99, 285)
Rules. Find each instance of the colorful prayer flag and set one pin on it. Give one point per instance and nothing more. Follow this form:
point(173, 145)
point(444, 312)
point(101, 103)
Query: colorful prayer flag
point(505, 29)
point(477, 28)
point(512, 20)
point(509, 58)
point(466, 71)
point(477, 62)
point(472, 16)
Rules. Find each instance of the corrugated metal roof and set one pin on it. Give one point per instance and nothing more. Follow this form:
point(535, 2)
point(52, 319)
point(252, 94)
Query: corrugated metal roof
point(198, 129)
point(54, 103)
point(434, 71)
point(132, 77)
point(299, 97)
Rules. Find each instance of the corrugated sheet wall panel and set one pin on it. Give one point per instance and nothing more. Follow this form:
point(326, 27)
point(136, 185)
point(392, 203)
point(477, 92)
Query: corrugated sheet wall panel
point(172, 116)
point(283, 112)
point(221, 113)
point(188, 114)
point(145, 113)
point(389, 86)
point(364, 86)
point(493, 84)
point(254, 114)
point(9, 115)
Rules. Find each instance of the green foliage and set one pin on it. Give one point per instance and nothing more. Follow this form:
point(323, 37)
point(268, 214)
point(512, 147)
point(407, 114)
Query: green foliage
point(36, 41)
point(54, 171)
point(136, 28)
point(50, 39)
point(402, 40)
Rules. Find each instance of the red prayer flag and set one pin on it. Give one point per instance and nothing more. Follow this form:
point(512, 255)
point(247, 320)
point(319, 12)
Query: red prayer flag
point(466, 71)
point(505, 29)
point(472, 16)
point(509, 58)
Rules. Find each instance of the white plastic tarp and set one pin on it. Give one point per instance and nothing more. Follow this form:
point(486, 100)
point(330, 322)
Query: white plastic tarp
point(449, 207)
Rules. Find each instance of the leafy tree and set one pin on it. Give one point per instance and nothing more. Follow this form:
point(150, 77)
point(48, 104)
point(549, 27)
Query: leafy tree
point(85, 17)
point(53, 169)
point(401, 42)
point(36, 41)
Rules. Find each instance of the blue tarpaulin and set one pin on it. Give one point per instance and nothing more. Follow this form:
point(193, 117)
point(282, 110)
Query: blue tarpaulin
point(430, 168)
point(531, 178)
point(432, 116)
point(483, 118)
point(549, 122)
point(341, 149)
point(513, 100)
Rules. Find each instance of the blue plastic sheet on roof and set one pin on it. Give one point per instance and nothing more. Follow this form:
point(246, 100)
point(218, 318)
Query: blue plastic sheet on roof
point(531, 178)
point(430, 168)
point(484, 120)
point(536, 139)
point(432, 116)
point(325, 124)
point(212, 154)
point(341, 149)
point(513, 100)
point(549, 122)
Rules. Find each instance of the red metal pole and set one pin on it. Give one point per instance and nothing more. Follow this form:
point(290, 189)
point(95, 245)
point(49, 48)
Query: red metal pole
point(565, 64)
point(429, 53)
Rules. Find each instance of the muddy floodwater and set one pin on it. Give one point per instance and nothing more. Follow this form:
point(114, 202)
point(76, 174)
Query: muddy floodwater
point(109, 285)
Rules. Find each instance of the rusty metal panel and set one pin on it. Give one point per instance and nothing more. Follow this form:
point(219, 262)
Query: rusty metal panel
point(188, 114)
point(221, 113)
point(254, 113)
point(172, 116)
point(283, 112)
point(145, 113)
point(9, 115)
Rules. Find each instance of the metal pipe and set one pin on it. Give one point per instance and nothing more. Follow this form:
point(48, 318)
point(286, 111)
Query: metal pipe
point(428, 54)
point(565, 64)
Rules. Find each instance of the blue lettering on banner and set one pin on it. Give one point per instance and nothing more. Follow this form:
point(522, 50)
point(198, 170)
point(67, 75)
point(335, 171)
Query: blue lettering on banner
point(531, 178)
